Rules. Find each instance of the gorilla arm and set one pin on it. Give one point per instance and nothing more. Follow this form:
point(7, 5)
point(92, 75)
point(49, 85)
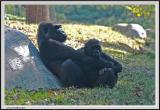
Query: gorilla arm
point(94, 62)
point(59, 51)
point(116, 65)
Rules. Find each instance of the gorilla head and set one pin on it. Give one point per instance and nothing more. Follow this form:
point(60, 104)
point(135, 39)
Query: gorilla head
point(48, 30)
point(93, 48)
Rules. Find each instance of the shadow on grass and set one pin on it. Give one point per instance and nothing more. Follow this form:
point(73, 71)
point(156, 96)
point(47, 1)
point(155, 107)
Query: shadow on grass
point(122, 46)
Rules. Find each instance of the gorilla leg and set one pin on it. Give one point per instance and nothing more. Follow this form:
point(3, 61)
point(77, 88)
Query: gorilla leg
point(71, 74)
point(107, 77)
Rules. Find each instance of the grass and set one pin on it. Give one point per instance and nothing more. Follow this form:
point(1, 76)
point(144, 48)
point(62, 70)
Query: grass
point(136, 83)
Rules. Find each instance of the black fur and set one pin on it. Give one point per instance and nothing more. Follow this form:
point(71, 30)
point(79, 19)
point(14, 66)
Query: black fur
point(86, 67)
point(57, 56)
point(99, 68)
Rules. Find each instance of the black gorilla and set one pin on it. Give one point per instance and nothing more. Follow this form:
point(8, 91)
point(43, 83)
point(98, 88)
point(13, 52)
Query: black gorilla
point(93, 49)
point(99, 68)
point(81, 68)
point(55, 55)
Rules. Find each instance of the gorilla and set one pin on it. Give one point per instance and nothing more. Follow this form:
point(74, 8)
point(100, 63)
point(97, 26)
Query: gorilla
point(93, 49)
point(85, 67)
point(55, 55)
point(99, 68)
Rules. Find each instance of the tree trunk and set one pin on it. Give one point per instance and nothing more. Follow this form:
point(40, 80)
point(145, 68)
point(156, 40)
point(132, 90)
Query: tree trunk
point(37, 13)
point(17, 10)
point(52, 13)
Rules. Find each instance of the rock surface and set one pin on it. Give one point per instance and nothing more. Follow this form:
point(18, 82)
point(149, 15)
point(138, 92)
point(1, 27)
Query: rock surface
point(134, 30)
point(23, 66)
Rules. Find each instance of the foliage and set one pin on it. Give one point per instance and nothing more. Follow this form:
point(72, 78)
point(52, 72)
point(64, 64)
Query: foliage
point(18, 10)
point(136, 83)
point(9, 9)
point(140, 10)
point(12, 17)
point(107, 15)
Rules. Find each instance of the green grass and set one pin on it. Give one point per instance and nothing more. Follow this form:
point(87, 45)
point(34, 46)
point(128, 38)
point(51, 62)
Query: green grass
point(136, 83)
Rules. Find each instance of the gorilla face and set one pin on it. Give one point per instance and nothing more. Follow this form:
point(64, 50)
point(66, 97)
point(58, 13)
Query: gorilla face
point(95, 51)
point(93, 48)
point(53, 31)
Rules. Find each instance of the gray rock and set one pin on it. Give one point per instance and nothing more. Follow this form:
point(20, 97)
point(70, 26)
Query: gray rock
point(23, 66)
point(134, 30)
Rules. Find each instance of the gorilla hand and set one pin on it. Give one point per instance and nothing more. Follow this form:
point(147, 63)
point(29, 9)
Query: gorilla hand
point(104, 70)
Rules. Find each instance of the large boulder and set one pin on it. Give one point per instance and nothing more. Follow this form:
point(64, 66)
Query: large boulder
point(23, 66)
point(133, 30)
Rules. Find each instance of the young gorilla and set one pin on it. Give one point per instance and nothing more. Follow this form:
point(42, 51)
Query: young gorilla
point(99, 68)
point(55, 54)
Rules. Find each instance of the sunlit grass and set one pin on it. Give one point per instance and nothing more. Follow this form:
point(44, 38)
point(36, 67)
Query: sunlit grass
point(80, 33)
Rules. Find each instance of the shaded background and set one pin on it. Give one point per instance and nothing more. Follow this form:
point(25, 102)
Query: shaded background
point(106, 15)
